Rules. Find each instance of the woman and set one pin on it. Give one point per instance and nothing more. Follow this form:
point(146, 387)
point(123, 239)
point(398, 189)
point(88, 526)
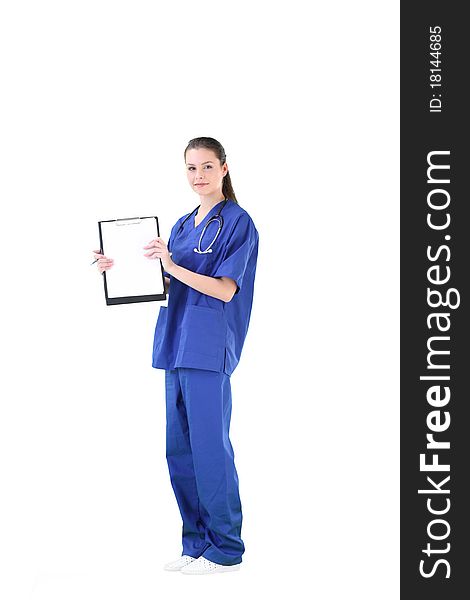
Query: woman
point(209, 267)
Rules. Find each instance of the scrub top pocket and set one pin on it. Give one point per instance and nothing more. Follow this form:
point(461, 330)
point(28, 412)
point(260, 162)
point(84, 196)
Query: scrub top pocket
point(202, 341)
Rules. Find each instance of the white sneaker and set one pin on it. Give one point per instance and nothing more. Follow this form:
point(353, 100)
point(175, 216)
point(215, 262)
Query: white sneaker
point(177, 565)
point(202, 566)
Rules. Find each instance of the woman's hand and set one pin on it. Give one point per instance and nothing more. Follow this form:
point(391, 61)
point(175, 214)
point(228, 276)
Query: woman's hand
point(158, 249)
point(104, 263)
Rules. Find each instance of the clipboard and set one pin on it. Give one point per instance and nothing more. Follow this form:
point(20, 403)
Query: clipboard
point(133, 277)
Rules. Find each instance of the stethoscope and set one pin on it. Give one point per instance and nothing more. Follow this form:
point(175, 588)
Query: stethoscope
point(218, 217)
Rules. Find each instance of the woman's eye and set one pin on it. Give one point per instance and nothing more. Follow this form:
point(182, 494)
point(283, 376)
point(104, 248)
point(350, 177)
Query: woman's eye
point(209, 166)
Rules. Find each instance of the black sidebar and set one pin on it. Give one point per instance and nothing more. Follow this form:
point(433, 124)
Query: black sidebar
point(434, 305)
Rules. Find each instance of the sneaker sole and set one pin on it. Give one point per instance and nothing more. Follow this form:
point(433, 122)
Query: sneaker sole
point(222, 569)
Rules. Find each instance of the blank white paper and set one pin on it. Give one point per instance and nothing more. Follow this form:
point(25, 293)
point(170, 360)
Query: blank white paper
point(132, 273)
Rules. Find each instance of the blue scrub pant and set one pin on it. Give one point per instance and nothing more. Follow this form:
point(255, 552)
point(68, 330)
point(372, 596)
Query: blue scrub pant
point(201, 463)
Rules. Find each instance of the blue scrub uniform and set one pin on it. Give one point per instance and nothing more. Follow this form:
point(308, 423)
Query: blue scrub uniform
point(198, 341)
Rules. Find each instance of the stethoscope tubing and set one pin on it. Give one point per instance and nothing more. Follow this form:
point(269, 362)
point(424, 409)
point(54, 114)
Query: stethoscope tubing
point(218, 217)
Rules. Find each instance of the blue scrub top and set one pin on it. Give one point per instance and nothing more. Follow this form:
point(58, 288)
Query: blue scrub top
point(197, 330)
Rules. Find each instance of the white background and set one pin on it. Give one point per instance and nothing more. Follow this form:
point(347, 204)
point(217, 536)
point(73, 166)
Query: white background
point(99, 100)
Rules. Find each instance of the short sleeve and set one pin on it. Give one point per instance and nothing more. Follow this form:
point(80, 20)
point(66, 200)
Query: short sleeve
point(238, 250)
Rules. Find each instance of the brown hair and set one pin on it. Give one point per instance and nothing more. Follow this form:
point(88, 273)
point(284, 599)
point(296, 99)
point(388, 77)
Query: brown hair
point(212, 144)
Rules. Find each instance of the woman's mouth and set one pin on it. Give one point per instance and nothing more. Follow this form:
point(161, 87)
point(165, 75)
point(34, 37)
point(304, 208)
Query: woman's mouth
point(200, 184)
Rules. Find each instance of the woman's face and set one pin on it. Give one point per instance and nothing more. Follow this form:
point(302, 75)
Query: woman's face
point(205, 175)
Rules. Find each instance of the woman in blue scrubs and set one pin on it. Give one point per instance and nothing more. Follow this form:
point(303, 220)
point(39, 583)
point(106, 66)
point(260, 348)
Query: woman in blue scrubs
point(209, 266)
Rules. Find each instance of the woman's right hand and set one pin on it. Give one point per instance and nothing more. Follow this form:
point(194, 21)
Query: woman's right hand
point(104, 263)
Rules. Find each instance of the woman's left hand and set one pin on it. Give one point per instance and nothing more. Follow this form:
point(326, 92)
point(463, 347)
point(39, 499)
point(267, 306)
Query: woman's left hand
point(158, 249)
